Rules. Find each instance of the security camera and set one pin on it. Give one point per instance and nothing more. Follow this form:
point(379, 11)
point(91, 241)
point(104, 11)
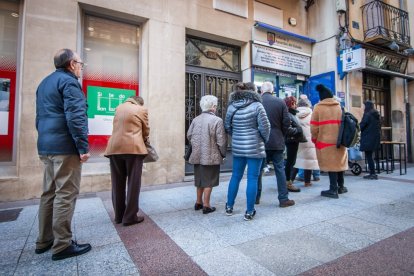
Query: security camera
point(393, 46)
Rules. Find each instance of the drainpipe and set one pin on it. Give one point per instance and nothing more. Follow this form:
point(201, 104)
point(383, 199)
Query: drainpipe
point(407, 110)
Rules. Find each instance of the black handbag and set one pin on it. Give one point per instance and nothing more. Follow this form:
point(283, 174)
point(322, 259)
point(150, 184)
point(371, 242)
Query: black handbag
point(188, 152)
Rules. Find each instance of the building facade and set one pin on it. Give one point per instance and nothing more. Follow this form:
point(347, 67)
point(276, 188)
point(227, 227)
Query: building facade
point(172, 53)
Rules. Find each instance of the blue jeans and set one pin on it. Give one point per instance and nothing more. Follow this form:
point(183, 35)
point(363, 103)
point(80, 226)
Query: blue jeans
point(278, 163)
point(253, 171)
point(315, 173)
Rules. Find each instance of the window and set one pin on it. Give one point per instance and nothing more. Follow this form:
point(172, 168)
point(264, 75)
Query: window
point(110, 75)
point(9, 25)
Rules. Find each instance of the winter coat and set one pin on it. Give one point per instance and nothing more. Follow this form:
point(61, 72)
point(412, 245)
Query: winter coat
point(325, 124)
point(61, 119)
point(208, 140)
point(306, 157)
point(246, 121)
point(130, 129)
point(278, 116)
point(295, 132)
point(370, 131)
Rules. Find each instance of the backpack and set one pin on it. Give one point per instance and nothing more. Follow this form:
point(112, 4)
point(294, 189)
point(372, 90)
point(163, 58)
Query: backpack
point(349, 132)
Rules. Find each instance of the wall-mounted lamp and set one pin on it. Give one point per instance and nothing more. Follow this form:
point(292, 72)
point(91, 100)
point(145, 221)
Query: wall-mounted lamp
point(292, 21)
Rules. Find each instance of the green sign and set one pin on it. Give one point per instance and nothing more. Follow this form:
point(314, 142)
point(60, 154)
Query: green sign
point(103, 100)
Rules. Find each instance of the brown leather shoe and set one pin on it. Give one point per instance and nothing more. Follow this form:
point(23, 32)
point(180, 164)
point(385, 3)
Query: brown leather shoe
point(308, 184)
point(138, 220)
point(287, 203)
point(292, 188)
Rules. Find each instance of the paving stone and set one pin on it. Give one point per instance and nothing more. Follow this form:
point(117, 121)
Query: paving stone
point(7, 270)
point(379, 217)
point(12, 244)
point(111, 259)
point(9, 257)
point(373, 230)
point(97, 235)
point(46, 266)
point(276, 255)
point(196, 240)
point(217, 263)
point(343, 236)
point(237, 232)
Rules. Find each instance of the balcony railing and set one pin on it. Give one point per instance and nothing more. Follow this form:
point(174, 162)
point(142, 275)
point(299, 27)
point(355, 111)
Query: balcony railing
point(384, 23)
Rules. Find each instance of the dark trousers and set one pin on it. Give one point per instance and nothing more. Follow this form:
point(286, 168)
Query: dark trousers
point(370, 159)
point(126, 171)
point(292, 152)
point(306, 173)
point(336, 179)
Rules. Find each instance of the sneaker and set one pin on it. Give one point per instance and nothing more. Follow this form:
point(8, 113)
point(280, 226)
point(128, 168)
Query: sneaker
point(249, 216)
point(266, 170)
point(229, 210)
point(286, 203)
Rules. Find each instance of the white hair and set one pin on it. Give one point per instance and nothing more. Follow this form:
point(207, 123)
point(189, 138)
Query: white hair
point(267, 86)
point(207, 102)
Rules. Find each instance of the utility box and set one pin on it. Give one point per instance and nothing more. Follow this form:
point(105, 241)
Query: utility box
point(340, 5)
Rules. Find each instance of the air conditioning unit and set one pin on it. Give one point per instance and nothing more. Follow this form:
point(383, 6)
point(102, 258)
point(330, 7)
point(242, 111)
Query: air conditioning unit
point(340, 5)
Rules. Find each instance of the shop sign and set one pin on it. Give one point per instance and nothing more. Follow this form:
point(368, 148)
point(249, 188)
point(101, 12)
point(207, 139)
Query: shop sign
point(280, 60)
point(353, 59)
point(384, 61)
point(102, 103)
point(282, 41)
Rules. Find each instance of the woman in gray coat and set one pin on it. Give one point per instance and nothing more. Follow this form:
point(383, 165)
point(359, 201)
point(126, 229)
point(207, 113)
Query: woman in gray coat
point(246, 121)
point(208, 140)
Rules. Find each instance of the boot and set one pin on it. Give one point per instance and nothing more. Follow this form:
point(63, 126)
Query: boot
point(292, 188)
point(332, 192)
point(342, 189)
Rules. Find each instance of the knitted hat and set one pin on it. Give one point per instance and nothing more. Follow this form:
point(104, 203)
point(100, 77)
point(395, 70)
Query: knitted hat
point(324, 92)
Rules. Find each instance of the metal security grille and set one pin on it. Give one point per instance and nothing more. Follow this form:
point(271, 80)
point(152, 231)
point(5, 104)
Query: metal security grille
point(200, 82)
point(377, 89)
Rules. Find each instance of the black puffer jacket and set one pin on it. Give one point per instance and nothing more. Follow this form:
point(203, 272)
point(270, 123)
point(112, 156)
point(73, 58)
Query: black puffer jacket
point(246, 121)
point(295, 132)
point(370, 129)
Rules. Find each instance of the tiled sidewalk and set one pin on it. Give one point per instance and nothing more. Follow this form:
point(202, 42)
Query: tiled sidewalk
point(315, 234)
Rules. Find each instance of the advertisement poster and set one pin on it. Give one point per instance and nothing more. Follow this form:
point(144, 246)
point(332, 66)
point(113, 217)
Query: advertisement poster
point(4, 105)
point(102, 102)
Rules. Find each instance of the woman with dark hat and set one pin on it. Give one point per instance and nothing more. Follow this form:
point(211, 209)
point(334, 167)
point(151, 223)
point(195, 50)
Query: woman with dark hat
point(325, 124)
point(370, 136)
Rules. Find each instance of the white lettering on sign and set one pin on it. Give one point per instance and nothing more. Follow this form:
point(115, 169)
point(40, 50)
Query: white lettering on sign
point(281, 60)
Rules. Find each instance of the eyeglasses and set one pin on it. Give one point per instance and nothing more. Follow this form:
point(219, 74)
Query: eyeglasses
point(80, 62)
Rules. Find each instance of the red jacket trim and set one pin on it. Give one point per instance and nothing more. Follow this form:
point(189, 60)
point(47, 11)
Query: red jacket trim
point(327, 122)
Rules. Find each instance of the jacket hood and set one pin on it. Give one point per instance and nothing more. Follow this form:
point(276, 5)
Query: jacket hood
point(303, 111)
point(242, 98)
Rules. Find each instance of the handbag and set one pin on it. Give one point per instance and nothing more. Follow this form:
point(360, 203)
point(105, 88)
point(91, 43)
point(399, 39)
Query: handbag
point(152, 155)
point(188, 152)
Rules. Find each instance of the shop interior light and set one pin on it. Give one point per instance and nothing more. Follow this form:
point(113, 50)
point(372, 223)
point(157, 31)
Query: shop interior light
point(91, 29)
point(87, 49)
point(14, 14)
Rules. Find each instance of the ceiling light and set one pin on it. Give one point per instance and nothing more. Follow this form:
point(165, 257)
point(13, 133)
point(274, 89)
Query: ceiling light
point(14, 14)
point(91, 29)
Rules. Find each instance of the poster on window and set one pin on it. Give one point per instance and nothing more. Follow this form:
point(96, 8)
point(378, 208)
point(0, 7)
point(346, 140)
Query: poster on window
point(102, 103)
point(4, 105)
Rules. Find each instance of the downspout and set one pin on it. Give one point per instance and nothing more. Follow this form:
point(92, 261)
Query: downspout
point(407, 110)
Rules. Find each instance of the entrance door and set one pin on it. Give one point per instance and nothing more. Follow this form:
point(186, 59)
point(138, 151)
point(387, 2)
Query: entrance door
point(377, 89)
point(200, 82)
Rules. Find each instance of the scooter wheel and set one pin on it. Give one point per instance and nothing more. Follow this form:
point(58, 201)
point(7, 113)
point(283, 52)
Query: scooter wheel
point(356, 169)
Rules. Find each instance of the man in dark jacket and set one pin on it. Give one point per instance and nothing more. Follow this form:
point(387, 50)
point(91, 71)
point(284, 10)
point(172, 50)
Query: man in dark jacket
point(278, 116)
point(62, 126)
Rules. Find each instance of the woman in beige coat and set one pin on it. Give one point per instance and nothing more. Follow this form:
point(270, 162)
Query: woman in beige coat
point(126, 150)
point(208, 140)
point(325, 124)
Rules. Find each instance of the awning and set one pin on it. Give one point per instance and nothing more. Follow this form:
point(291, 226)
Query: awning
point(278, 30)
point(389, 73)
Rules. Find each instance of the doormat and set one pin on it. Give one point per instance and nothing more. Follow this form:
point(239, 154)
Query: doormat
point(10, 215)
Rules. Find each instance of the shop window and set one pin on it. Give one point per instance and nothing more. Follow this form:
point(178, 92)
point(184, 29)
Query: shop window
point(9, 25)
point(110, 53)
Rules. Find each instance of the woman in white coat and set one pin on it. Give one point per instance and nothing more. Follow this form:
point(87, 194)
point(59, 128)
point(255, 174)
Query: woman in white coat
point(306, 158)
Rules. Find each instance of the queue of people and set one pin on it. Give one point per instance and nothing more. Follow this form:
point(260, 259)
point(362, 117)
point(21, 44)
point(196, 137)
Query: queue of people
point(260, 125)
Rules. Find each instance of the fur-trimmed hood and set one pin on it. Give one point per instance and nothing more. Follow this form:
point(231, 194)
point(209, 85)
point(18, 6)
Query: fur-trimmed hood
point(242, 98)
